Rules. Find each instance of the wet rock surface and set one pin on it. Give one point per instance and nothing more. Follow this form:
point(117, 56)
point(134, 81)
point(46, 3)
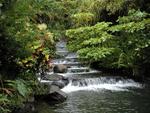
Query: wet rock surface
point(55, 96)
point(60, 68)
point(56, 79)
point(53, 77)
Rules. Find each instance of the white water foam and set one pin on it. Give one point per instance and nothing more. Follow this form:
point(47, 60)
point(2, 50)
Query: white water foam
point(118, 86)
point(44, 81)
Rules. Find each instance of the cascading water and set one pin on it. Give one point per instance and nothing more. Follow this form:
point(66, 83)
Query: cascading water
point(89, 92)
point(84, 78)
point(102, 83)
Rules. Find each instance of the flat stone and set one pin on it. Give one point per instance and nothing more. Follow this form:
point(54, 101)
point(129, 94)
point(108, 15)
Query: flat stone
point(53, 77)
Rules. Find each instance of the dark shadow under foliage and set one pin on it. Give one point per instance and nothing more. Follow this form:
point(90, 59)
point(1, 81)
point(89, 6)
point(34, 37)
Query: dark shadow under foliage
point(8, 57)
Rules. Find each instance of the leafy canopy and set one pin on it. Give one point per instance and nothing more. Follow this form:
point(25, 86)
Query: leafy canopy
point(120, 45)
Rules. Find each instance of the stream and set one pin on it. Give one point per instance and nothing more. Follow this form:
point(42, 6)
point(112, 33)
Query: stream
point(89, 92)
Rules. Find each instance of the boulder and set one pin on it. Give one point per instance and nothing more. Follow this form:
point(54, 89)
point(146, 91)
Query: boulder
point(60, 68)
point(55, 96)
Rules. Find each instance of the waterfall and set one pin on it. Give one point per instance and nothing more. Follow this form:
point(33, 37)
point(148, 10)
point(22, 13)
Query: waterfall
point(81, 77)
point(101, 83)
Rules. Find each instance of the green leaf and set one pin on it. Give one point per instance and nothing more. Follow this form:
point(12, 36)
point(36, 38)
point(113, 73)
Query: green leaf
point(21, 87)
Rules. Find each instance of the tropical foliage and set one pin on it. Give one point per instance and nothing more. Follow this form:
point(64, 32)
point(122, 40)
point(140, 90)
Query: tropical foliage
point(26, 46)
point(111, 33)
point(121, 45)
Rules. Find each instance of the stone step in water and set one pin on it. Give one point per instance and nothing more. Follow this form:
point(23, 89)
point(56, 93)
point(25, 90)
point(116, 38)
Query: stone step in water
point(72, 56)
point(62, 53)
point(78, 69)
point(61, 49)
point(59, 61)
point(71, 60)
point(66, 62)
point(77, 74)
point(69, 64)
point(91, 73)
point(61, 44)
